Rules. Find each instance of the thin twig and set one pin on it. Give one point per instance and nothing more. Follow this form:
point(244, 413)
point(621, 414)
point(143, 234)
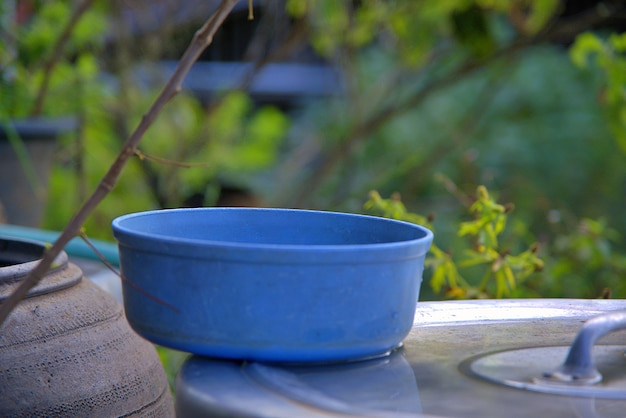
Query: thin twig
point(57, 53)
point(452, 188)
point(202, 38)
point(360, 132)
point(106, 262)
point(460, 134)
point(144, 156)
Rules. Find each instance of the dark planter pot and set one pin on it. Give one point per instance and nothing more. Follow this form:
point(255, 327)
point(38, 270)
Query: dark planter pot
point(67, 350)
point(20, 203)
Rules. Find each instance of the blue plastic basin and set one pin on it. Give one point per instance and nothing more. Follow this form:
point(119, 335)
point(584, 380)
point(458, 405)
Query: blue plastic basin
point(271, 284)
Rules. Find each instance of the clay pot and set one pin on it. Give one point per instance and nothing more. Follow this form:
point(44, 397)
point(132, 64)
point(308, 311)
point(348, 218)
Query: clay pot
point(67, 350)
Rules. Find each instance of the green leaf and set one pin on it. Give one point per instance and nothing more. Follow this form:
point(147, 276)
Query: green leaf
point(501, 283)
point(473, 258)
point(296, 8)
point(510, 278)
point(540, 14)
point(438, 279)
point(618, 41)
point(585, 44)
point(470, 227)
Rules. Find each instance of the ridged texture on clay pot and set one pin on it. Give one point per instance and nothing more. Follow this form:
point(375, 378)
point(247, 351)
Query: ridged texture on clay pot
point(67, 350)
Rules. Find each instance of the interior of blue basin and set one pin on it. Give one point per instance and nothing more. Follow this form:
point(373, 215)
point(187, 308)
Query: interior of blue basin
point(266, 228)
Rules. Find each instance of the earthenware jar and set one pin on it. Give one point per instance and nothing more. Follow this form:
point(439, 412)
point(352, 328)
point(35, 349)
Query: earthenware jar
point(67, 350)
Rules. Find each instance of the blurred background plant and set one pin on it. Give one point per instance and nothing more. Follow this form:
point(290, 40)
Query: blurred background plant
point(501, 271)
point(99, 62)
point(48, 55)
point(494, 266)
point(315, 103)
point(523, 97)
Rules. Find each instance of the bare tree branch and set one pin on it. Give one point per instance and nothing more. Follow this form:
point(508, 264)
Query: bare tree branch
point(57, 53)
point(202, 38)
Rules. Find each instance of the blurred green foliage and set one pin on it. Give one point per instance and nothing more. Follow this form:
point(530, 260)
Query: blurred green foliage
point(183, 153)
point(515, 95)
point(587, 261)
point(501, 271)
point(27, 48)
point(488, 93)
point(610, 55)
point(172, 361)
point(229, 138)
point(234, 138)
point(582, 263)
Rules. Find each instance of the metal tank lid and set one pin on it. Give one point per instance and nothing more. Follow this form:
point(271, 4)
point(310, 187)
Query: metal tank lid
point(461, 359)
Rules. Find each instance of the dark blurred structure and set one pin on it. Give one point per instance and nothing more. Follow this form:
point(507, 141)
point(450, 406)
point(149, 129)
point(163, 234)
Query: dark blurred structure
point(267, 56)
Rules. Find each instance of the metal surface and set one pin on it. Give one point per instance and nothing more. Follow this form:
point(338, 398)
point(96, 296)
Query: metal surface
point(579, 375)
point(524, 369)
point(579, 367)
point(436, 348)
point(421, 379)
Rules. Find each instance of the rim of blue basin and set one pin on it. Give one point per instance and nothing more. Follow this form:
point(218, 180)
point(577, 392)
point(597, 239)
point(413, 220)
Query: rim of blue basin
point(178, 232)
